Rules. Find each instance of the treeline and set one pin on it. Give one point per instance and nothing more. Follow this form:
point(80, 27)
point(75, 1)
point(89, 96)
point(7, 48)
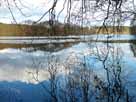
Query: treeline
point(41, 30)
point(114, 30)
point(66, 29)
point(21, 30)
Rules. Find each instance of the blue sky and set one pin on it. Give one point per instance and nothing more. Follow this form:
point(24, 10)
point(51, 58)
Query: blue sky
point(35, 8)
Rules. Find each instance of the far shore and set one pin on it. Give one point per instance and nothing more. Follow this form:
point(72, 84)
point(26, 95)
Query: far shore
point(38, 30)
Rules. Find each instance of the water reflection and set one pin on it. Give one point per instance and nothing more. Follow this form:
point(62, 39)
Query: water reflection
point(74, 71)
point(52, 47)
point(133, 31)
point(133, 48)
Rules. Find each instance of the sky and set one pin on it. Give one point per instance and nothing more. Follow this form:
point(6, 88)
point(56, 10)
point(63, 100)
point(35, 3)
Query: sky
point(34, 9)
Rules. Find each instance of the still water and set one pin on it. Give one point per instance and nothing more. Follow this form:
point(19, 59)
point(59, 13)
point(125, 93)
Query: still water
point(22, 56)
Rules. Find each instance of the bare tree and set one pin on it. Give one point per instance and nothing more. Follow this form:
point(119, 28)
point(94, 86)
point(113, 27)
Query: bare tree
point(79, 78)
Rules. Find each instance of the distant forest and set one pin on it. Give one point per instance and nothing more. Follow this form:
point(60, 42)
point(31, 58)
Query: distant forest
point(44, 29)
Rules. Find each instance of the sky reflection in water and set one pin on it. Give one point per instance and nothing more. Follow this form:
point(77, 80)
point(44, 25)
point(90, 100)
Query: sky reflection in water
point(17, 62)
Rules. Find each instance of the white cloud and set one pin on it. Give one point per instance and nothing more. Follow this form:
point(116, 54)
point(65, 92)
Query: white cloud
point(34, 9)
point(29, 8)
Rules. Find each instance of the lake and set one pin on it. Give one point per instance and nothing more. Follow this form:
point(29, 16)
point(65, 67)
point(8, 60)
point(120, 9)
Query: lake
point(23, 59)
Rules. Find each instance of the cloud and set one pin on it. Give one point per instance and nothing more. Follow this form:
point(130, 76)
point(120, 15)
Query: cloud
point(32, 9)
point(29, 8)
point(36, 8)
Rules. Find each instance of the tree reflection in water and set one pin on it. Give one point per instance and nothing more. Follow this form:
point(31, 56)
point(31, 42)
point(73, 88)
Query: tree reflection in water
point(133, 31)
point(76, 80)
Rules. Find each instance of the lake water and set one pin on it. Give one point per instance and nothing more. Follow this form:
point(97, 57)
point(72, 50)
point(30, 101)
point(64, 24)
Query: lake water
point(22, 56)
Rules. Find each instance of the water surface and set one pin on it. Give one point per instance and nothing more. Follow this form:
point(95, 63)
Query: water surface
point(19, 56)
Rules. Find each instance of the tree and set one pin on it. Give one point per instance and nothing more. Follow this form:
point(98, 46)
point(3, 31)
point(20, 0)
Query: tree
point(78, 76)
